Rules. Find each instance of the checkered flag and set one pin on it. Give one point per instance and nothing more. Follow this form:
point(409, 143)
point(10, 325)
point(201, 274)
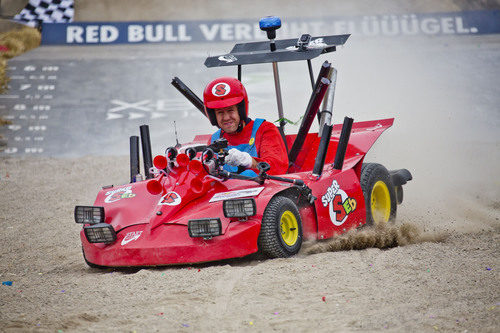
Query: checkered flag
point(37, 12)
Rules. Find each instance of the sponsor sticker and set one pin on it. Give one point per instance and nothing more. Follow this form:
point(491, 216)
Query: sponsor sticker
point(118, 194)
point(250, 192)
point(227, 58)
point(131, 236)
point(317, 43)
point(170, 199)
point(340, 205)
point(221, 89)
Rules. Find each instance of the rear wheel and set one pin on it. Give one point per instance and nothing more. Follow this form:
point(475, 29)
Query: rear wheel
point(281, 230)
point(380, 196)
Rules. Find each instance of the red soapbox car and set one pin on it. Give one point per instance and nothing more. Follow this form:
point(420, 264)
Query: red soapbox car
point(190, 210)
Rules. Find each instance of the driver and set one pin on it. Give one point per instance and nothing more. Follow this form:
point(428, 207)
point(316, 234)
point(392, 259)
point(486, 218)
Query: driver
point(249, 141)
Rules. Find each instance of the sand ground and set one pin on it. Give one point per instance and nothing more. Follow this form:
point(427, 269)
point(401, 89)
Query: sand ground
point(449, 283)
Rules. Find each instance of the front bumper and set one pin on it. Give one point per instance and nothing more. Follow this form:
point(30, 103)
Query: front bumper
point(170, 244)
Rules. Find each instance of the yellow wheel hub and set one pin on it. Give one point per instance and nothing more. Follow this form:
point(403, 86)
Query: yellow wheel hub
point(289, 228)
point(380, 203)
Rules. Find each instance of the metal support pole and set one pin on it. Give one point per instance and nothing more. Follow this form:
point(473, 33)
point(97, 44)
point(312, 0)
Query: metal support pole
point(278, 91)
point(279, 101)
point(309, 65)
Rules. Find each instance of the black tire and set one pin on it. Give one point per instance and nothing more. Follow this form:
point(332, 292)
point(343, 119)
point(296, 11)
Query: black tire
point(280, 213)
point(379, 212)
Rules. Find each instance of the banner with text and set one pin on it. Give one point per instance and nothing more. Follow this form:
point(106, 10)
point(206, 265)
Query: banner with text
point(92, 33)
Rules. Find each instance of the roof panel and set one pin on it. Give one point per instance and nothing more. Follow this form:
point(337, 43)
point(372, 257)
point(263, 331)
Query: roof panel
point(286, 50)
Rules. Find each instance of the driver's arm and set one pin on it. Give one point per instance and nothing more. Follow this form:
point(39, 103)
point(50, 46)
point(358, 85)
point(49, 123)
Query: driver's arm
point(271, 149)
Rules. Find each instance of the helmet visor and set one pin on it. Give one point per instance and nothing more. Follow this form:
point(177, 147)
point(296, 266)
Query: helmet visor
point(222, 103)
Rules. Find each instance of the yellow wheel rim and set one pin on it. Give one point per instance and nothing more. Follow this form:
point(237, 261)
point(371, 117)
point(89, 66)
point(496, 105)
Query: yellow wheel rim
point(381, 203)
point(289, 228)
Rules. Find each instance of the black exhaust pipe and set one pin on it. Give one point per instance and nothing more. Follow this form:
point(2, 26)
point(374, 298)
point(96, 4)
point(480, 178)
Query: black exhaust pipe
point(325, 116)
point(323, 72)
point(342, 147)
point(326, 134)
point(134, 158)
point(189, 94)
point(146, 151)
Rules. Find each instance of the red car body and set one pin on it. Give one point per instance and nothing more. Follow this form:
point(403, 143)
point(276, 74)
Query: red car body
point(153, 229)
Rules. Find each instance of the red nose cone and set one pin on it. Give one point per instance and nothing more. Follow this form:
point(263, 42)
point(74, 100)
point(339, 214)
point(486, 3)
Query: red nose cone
point(195, 167)
point(154, 187)
point(182, 160)
point(160, 162)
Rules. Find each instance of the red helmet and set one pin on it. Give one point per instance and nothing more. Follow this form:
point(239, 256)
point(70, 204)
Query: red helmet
point(224, 92)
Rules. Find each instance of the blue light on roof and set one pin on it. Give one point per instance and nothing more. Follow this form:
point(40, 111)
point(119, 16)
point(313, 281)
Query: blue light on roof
point(270, 22)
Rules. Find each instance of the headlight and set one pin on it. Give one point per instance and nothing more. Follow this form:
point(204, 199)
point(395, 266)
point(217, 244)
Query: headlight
point(205, 227)
point(89, 214)
point(100, 233)
point(239, 208)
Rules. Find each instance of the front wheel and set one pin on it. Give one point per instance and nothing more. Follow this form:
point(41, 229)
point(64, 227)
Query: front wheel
point(380, 196)
point(281, 230)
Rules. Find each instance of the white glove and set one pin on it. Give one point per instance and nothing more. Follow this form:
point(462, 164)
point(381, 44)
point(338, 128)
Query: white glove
point(237, 158)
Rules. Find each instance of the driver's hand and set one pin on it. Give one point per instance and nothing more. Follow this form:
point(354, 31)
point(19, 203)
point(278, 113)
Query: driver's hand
point(238, 158)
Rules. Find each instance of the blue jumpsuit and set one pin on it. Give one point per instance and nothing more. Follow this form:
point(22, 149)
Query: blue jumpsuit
point(246, 147)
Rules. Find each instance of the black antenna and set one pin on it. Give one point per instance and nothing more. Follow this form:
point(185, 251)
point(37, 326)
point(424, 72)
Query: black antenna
point(177, 145)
